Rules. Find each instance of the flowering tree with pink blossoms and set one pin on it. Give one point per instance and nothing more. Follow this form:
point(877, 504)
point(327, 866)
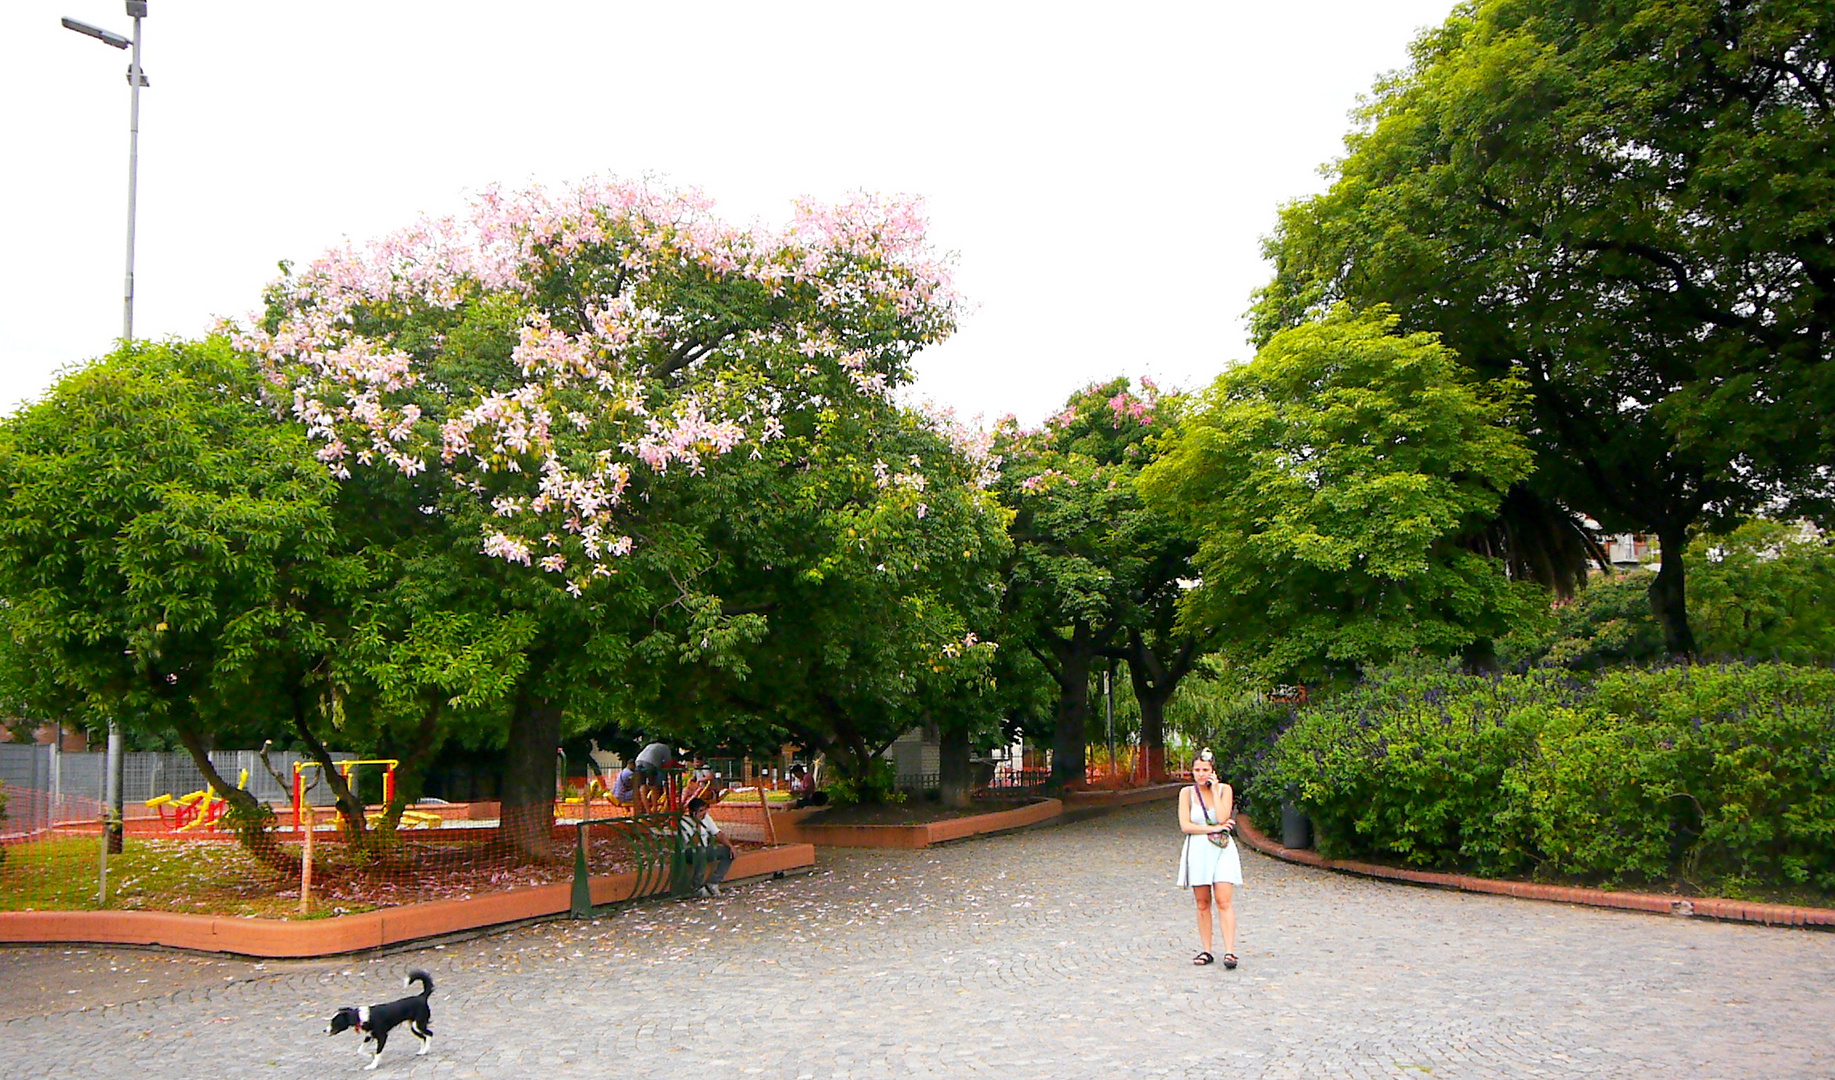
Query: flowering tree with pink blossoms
point(578, 381)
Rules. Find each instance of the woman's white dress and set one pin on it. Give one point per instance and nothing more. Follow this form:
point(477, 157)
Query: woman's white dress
point(1204, 863)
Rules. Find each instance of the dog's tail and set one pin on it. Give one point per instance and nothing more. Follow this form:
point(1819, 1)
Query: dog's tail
point(426, 981)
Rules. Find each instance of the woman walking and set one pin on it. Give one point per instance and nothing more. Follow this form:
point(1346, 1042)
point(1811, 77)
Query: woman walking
point(1209, 866)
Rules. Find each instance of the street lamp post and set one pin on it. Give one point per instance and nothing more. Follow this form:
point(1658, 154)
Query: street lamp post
point(136, 78)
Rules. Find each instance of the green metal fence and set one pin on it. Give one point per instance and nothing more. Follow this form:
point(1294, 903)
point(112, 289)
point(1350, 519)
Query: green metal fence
point(656, 855)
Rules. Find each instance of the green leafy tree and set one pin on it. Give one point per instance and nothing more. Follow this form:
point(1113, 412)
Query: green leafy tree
point(1629, 206)
point(1606, 625)
point(1336, 481)
point(1765, 591)
point(158, 530)
point(876, 565)
point(1095, 571)
point(1762, 592)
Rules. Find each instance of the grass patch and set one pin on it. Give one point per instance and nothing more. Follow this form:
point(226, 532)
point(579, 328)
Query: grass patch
point(217, 877)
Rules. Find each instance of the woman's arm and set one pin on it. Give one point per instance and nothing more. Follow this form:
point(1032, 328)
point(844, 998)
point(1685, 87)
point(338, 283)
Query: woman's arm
point(1186, 825)
point(1226, 802)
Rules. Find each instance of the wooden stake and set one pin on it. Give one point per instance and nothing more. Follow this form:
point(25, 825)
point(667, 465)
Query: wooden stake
point(305, 859)
point(764, 804)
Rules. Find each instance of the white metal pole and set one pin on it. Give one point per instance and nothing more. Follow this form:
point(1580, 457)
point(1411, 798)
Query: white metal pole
point(134, 78)
point(113, 792)
point(114, 827)
point(1108, 697)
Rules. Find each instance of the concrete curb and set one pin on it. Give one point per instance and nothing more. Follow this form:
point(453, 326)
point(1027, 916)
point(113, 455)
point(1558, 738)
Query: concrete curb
point(288, 938)
point(1711, 907)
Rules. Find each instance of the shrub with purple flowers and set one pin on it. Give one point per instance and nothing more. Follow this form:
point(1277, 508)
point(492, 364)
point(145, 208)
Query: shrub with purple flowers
point(1720, 776)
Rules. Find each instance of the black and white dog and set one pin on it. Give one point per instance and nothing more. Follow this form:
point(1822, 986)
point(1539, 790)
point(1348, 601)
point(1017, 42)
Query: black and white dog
point(376, 1021)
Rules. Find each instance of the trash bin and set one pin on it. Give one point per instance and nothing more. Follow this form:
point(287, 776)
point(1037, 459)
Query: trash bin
point(1296, 827)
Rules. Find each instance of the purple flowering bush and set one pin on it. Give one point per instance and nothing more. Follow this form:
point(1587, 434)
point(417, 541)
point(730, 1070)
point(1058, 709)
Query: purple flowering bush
point(1719, 775)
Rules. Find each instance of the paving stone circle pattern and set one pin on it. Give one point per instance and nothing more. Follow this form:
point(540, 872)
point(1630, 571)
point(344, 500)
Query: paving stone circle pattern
point(1058, 952)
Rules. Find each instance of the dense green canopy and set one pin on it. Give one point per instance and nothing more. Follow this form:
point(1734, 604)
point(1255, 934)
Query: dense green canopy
point(1630, 206)
point(1332, 481)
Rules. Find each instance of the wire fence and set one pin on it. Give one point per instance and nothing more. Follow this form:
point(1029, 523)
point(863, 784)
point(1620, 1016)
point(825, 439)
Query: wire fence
point(314, 859)
point(48, 788)
point(324, 867)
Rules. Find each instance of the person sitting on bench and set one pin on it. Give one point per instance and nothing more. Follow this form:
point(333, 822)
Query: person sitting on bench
point(710, 853)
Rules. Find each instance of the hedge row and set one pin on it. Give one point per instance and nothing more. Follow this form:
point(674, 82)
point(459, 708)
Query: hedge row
point(1719, 775)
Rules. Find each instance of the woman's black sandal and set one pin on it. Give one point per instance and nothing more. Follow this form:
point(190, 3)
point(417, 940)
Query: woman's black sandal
point(1204, 958)
point(1229, 959)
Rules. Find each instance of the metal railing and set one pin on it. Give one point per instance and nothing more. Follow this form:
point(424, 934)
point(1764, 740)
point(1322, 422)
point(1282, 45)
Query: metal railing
point(658, 857)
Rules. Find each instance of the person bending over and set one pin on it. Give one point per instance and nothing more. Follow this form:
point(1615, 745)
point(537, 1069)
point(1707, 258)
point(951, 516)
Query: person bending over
point(652, 767)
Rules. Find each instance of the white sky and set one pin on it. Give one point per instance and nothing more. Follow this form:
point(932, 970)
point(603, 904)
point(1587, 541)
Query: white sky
point(1104, 174)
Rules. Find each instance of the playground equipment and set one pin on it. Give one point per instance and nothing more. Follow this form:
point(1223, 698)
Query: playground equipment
point(410, 819)
point(196, 811)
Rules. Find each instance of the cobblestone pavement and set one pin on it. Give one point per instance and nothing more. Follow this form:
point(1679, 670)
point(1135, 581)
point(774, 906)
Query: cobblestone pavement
point(1055, 953)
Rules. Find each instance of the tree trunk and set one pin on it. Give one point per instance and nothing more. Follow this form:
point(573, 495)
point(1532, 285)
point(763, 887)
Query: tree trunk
point(1067, 742)
point(248, 817)
point(528, 777)
point(1668, 597)
point(350, 808)
point(411, 774)
point(1154, 682)
point(953, 781)
point(1153, 736)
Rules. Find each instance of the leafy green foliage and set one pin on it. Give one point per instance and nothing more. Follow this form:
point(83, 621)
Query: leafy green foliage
point(875, 569)
point(1765, 591)
point(1731, 765)
point(1236, 722)
point(874, 785)
point(157, 533)
point(1332, 480)
point(1417, 766)
point(1720, 775)
point(1607, 623)
point(1095, 570)
point(1627, 206)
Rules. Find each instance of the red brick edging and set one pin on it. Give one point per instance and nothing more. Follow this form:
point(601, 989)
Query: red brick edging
point(1106, 798)
point(919, 836)
point(346, 933)
point(1712, 907)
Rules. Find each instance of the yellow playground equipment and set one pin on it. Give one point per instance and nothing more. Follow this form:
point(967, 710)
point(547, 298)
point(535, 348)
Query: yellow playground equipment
point(410, 819)
point(196, 811)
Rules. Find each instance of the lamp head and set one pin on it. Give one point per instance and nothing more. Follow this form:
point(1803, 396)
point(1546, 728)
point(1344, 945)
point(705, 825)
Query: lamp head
point(107, 37)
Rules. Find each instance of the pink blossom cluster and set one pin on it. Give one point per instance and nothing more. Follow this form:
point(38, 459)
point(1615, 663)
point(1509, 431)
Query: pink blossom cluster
point(686, 436)
point(974, 443)
point(969, 642)
point(1126, 406)
point(351, 392)
point(1043, 480)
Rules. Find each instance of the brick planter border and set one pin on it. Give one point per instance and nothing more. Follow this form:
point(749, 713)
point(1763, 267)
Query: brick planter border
point(1711, 907)
point(1104, 798)
point(919, 836)
point(278, 938)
